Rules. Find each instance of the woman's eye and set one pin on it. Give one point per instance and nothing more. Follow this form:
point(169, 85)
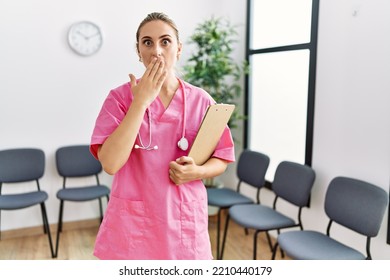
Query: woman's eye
point(147, 43)
point(165, 42)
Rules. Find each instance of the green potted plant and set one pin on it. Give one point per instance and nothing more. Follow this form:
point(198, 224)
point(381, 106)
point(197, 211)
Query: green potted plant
point(212, 67)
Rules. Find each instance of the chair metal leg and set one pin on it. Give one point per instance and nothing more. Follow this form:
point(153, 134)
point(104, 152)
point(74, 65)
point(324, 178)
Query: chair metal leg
point(59, 227)
point(255, 244)
point(101, 209)
point(269, 240)
point(224, 235)
point(282, 252)
point(44, 227)
point(274, 250)
point(47, 228)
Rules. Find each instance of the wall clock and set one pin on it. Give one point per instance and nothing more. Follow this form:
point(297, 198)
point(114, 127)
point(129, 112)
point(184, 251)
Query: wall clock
point(85, 38)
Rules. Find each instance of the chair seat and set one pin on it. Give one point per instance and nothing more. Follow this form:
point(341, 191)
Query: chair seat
point(259, 217)
point(312, 245)
point(225, 197)
point(24, 200)
point(83, 193)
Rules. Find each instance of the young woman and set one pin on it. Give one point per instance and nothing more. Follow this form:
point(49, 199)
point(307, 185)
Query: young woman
point(158, 203)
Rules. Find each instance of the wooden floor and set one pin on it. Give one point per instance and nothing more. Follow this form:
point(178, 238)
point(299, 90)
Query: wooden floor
point(77, 244)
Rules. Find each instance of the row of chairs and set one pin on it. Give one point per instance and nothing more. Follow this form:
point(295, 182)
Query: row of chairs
point(28, 164)
point(349, 202)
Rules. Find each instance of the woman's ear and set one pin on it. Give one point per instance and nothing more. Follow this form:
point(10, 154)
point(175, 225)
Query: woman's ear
point(138, 53)
point(179, 50)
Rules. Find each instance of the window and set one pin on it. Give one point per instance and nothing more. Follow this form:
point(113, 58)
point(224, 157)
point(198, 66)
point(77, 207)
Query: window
point(281, 51)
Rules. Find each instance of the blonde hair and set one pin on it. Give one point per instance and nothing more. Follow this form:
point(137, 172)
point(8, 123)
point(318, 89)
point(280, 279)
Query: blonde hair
point(157, 16)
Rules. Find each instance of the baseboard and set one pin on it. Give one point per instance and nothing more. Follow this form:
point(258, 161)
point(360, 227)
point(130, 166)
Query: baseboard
point(37, 230)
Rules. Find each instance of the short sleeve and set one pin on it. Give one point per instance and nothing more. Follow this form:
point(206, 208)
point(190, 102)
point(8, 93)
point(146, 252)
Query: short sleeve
point(110, 116)
point(225, 147)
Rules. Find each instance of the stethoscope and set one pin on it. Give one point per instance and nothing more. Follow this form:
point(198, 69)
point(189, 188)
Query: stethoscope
point(182, 143)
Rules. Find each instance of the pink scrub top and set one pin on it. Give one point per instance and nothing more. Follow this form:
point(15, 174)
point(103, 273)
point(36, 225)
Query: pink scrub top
point(148, 216)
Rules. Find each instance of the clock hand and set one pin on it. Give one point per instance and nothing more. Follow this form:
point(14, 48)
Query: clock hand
point(85, 37)
point(93, 35)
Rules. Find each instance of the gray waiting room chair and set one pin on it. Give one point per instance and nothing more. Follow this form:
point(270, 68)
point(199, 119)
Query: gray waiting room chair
point(77, 162)
point(293, 183)
point(251, 169)
point(23, 165)
point(351, 203)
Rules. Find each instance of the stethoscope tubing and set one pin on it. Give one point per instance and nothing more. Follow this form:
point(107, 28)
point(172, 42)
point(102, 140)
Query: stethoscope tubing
point(183, 142)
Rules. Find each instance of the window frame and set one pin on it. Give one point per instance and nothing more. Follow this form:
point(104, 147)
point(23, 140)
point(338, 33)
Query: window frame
point(312, 47)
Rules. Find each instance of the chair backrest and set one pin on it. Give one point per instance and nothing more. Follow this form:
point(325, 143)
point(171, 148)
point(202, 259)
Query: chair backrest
point(356, 204)
point(76, 161)
point(294, 182)
point(21, 165)
point(251, 168)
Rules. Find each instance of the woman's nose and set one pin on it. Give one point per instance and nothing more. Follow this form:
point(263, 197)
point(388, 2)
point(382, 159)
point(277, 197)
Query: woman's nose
point(157, 51)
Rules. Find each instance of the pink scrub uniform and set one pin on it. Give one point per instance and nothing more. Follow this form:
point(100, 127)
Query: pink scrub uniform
point(148, 216)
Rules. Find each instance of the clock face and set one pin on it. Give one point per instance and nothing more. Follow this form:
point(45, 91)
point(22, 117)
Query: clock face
point(85, 38)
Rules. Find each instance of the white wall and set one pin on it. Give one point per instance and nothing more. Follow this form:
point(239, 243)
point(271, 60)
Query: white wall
point(352, 119)
point(50, 97)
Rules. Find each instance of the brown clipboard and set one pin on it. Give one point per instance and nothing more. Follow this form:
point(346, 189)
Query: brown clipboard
point(210, 131)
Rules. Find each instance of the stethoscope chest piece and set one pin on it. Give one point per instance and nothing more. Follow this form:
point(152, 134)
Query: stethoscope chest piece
point(183, 144)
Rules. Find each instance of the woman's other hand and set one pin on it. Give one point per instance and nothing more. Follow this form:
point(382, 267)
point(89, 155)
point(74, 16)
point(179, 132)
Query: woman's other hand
point(184, 169)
